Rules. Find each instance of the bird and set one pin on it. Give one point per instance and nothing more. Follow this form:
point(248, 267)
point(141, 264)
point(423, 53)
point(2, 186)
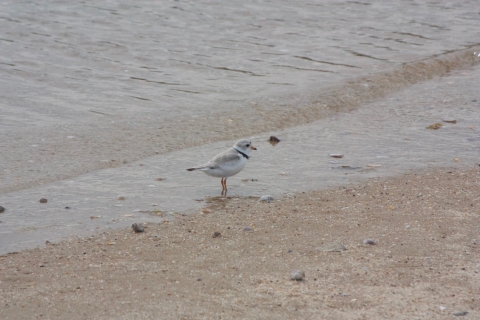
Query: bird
point(227, 163)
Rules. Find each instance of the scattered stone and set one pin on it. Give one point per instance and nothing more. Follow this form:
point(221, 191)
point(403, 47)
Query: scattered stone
point(206, 210)
point(247, 229)
point(460, 313)
point(2, 209)
point(442, 308)
point(333, 247)
point(95, 217)
point(336, 155)
point(159, 179)
point(67, 207)
point(297, 275)
point(266, 198)
point(347, 167)
point(435, 126)
point(121, 198)
point(273, 140)
point(369, 241)
point(137, 228)
point(216, 234)
point(449, 120)
point(43, 200)
point(374, 165)
point(154, 204)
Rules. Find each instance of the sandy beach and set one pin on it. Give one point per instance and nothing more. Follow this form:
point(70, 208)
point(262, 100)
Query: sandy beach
point(104, 106)
point(233, 259)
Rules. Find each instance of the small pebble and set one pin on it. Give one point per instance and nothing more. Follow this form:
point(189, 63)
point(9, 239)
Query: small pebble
point(369, 241)
point(67, 207)
point(137, 228)
point(336, 155)
point(266, 198)
point(159, 179)
point(121, 198)
point(247, 229)
point(43, 200)
point(216, 234)
point(435, 126)
point(2, 209)
point(297, 275)
point(273, 140)
point(449, 120)
point(460, 313)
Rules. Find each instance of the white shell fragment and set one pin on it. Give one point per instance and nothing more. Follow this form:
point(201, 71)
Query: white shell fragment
point(266, 198)
point(335, 155)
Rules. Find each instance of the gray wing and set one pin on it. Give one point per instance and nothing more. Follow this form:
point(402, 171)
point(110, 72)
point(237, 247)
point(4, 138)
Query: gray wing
point(223, 159)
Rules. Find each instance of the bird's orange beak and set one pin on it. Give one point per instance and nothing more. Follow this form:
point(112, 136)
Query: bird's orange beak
point(253, 148)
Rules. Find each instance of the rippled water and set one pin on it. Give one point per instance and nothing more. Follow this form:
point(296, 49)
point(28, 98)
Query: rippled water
point(99, 85)
point(87, 85)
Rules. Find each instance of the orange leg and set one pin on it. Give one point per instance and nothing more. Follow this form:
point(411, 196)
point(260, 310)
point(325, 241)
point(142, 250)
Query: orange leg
point(224, 186)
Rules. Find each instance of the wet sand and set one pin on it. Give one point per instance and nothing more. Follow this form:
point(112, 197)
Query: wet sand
point(424, 265)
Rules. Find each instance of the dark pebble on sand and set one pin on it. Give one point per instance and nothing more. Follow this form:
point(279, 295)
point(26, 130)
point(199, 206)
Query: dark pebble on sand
point(43, 200)
point(369, 241)
point(2, 209)
point(216, 234)
point(273, 140)
point(137, 228)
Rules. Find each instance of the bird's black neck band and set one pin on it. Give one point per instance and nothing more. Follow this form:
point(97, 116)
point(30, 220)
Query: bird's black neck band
point(243, 154)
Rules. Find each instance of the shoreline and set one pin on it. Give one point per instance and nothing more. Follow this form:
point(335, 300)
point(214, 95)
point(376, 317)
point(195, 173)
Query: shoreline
point(424, 264)
point(383, 138)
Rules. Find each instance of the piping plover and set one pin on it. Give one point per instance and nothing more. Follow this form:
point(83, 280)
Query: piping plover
point(228, 163)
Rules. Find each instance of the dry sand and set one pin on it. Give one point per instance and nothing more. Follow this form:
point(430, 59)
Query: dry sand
point(424, 265)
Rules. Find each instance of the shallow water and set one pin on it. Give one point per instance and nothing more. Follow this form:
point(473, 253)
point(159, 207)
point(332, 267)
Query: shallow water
point(88, 85)
point(386, 137)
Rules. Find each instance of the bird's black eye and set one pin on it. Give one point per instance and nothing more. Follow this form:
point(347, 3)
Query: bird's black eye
point(248, 145)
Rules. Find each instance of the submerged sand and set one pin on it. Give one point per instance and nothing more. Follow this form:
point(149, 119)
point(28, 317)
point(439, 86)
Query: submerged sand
point(424, 263)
